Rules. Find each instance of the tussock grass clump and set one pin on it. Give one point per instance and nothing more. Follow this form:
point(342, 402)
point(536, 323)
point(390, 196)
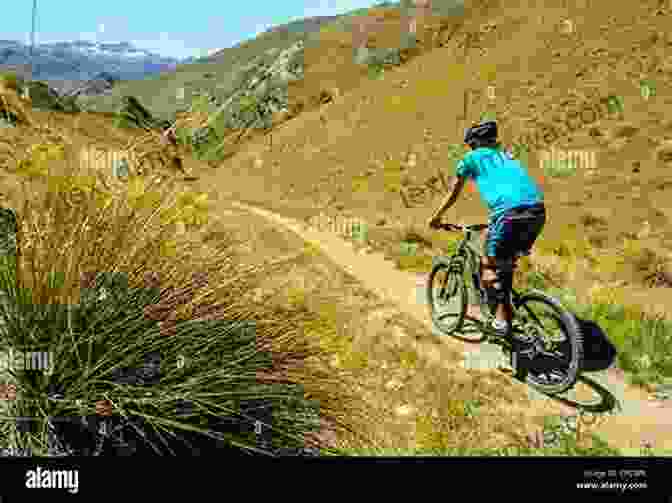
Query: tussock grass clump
point(113, 279)
point(643, 340)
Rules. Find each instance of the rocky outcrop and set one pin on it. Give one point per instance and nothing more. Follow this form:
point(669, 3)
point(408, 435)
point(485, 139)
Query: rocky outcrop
point(133, 114)
point(44, 97)
point(102, 83)
point(261, 95)
point(264, 91)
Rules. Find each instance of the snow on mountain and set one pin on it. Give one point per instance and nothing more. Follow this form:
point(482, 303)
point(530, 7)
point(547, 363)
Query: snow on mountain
point(83, 60)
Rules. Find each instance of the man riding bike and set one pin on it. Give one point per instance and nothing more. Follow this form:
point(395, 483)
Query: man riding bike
point(517, 214)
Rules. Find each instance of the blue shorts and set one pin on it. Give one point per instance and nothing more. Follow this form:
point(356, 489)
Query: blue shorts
point(515, 231)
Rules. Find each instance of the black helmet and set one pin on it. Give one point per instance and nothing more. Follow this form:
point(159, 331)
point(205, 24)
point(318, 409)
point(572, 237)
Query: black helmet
point(484, 132)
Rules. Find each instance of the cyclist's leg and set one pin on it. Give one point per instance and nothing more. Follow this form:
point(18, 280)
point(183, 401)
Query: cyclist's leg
point(474, 310)
point(526, 227)
point(519, 229)
point(499, 252)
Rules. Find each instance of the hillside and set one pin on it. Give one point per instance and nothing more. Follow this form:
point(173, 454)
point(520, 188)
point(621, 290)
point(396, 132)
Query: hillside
point(362, 142)
point(215, 74)
point(220, 74)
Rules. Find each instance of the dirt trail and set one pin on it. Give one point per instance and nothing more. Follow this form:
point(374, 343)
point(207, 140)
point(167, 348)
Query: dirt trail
point(634, 421)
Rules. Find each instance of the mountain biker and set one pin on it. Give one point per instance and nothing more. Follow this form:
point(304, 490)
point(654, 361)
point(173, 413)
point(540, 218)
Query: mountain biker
point(517, 213)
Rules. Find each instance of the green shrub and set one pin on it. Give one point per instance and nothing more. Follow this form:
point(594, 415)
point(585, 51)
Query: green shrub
point(644, 343)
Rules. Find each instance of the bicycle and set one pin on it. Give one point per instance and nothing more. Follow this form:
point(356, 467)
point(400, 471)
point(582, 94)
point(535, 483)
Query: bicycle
point(534, 352)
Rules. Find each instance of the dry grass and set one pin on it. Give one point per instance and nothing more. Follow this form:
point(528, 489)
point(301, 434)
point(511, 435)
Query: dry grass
point(76, 223)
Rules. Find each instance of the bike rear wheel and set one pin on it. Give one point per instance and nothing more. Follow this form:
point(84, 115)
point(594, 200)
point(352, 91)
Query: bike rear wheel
point(551, 361)
point(446, 296)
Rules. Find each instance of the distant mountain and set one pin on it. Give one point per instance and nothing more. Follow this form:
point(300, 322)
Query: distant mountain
point(220, 73)
point(66, 65)
point(217, 74)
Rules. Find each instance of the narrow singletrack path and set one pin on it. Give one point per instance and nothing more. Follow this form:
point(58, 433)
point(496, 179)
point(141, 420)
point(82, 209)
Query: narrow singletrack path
point(634, 421)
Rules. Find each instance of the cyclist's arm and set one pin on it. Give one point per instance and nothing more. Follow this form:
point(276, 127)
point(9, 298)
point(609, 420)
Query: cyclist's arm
point(451, 198)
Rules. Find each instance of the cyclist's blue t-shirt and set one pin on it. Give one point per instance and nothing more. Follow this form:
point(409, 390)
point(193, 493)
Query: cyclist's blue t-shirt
point(503, 182)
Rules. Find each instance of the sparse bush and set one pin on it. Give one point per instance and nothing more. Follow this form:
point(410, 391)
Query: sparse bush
point(375, 71)
point(643, 342)
point(590, 220)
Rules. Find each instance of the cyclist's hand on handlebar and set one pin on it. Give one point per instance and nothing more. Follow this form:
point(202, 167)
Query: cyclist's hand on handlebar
point(434, 222)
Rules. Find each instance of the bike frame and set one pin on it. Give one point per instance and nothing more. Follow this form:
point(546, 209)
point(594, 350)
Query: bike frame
point(468, 255)
point(472, 255)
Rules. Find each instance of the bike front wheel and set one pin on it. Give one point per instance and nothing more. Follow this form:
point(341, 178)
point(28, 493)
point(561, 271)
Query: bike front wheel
point(551, 356)
point(446, 296)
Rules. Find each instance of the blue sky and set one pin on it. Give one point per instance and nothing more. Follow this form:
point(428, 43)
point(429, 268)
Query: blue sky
point(171, 28)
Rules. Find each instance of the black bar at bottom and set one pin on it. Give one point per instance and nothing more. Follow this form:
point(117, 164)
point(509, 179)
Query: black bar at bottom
point(521, 479)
